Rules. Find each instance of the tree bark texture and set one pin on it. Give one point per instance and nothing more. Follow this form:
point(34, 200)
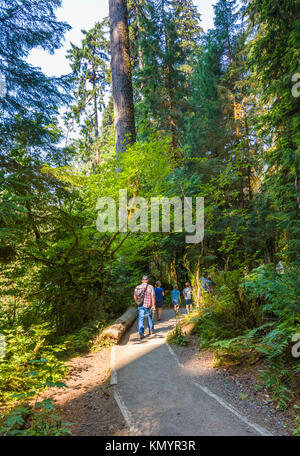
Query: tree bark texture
point(124, 122)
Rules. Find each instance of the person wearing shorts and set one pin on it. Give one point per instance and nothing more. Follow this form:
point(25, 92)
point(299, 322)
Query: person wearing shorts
point(159, 294)
point(176, 299)
point(187, 294)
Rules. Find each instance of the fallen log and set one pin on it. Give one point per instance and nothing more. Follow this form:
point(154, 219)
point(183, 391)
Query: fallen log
point(116, 330)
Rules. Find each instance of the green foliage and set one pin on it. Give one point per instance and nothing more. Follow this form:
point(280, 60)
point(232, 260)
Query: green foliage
point(81, 341)
point(272, 298)
point(272, 60)
point(29, 109)
point(41, 420)
point(216, 118)
point(164, 36)
point(297, 423)
point(89, 64)
point(226, 311)
point(280, 292)
point(177, 337)
point(15, 419)
point(280, 311)
point(30, 364)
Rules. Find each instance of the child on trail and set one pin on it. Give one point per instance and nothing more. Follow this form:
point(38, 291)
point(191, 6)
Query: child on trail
point(159, 294)
point(176, 299)
point(187, 294)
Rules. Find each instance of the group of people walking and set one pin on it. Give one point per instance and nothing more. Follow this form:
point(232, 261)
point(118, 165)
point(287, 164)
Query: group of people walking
point(150, 299)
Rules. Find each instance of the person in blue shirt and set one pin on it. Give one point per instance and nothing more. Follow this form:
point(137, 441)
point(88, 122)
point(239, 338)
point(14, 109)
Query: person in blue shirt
point(159, 294)
point(206, 283)
point(176, 299)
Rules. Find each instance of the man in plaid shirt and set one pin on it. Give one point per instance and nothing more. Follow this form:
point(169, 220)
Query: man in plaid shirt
point(144, 309)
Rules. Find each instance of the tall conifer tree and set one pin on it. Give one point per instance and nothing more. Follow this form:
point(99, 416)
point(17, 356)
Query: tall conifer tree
point(90, 68)
point(30, 106)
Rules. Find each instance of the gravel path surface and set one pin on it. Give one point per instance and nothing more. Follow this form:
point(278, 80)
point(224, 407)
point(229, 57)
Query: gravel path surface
point(236, 386)
point(156, 392)
point(160, 397)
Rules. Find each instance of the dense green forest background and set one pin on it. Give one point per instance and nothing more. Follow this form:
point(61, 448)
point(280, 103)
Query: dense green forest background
point(216, 116)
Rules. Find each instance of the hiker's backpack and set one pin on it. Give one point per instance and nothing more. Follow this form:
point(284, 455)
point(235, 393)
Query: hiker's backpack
point(141, 297)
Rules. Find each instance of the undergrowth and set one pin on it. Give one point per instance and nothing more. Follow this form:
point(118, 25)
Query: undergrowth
point(34, 359)
point(177, 337)
point(40, 420)
point(254, 317)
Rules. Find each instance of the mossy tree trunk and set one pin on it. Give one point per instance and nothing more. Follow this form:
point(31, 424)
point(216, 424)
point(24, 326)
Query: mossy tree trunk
point(121, 75)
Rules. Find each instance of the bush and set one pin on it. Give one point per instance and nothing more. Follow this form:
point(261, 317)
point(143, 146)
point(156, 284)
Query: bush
point(177, 337)
point(41, 420)
point(30, 363)
point(253, 317)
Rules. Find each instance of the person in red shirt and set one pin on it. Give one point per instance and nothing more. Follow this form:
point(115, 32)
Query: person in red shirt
point(144, 297)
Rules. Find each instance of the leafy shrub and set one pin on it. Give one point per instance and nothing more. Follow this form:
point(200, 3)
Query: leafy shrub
point(177, 337)
point(297, 429)
point(41, 420)
point(226, 314)
point(254, 317)
point(81, 340)
point(30, 363)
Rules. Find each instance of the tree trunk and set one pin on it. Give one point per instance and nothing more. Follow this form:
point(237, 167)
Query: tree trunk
point(121, 75)
point(96, 117)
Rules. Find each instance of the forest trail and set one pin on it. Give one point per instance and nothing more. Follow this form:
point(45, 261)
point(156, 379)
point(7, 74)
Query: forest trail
point(158, 396)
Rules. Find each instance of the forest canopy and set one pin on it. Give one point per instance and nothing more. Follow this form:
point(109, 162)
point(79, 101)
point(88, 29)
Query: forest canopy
point(206, 114)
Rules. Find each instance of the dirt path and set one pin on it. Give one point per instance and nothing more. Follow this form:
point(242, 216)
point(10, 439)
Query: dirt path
point(161, 390)
point(88, 401)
